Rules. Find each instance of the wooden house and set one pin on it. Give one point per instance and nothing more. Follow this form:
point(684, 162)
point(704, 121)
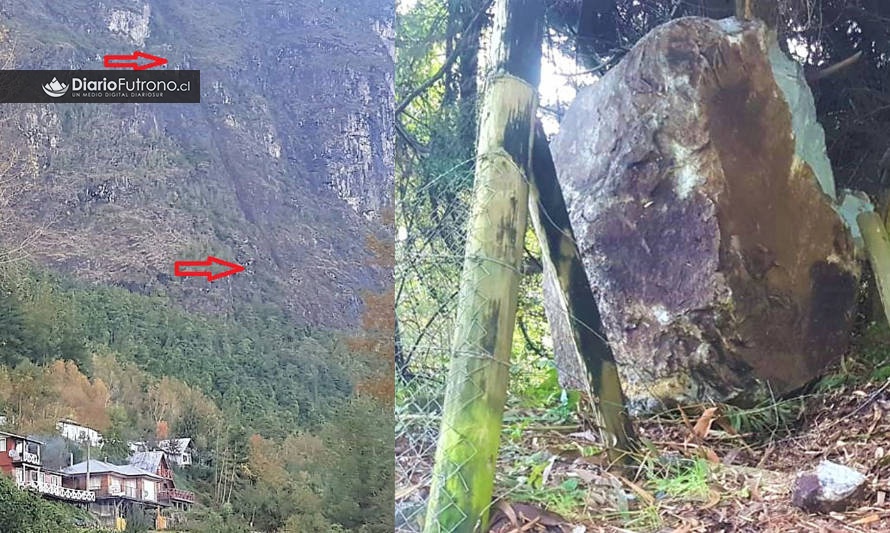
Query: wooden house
point(20, 458)
point(117, 488)
point(178, 451)
point(156, 463)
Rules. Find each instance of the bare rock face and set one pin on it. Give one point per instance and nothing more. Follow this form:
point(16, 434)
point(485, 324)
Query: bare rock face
point(702, 200)
point(286, 166)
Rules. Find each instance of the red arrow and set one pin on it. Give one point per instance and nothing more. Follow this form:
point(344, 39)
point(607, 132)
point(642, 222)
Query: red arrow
point(112, 61)
point(232, 268)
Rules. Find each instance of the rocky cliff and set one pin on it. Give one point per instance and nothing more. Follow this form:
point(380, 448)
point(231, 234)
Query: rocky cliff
point(285, 166)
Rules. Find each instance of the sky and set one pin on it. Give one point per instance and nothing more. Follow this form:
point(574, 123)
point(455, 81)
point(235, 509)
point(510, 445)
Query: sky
point(560, 74)
point(404, 6)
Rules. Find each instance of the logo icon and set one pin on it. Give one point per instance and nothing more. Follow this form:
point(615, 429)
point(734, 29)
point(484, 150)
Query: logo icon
point(55, 88)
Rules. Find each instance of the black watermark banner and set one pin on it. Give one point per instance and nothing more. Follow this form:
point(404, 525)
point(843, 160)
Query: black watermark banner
point(100, 86)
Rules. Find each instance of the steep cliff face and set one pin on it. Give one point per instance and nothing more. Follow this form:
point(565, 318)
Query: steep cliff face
point(284, 167)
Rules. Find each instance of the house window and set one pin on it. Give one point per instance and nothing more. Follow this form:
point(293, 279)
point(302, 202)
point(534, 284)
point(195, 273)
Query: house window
point(95, 483)
point(148, 490)
point(2, 444)
point(130, 488)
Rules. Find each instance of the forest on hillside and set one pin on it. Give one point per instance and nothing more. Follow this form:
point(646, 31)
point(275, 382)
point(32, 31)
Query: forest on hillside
point(290, 414)
point(290, 421)
point(287, 436)
point(714, 462)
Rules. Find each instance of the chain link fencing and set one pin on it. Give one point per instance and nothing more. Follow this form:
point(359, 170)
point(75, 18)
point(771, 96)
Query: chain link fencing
point(432, 223)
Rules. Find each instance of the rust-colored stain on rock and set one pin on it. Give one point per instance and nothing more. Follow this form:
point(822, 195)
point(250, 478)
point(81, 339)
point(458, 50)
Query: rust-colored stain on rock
point(776, 227)
point(718, 263)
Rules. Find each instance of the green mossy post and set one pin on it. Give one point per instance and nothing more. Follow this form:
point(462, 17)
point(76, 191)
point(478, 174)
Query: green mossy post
point(877, 243)
point(551, 222)
point(463, 475)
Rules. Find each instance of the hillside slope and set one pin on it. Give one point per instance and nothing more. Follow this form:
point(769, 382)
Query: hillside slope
point(285, 166)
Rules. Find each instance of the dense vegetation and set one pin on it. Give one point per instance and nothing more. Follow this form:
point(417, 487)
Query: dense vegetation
point(24, 512)
point(283, 440)
point(262, 366)
point(437, 70)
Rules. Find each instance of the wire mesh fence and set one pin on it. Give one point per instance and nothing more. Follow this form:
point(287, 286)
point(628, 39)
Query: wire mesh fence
point(430, 254)
point(432, 219)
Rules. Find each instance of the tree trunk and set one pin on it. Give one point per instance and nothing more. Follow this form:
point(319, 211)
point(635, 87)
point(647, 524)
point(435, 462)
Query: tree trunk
point(596, 26)
point(463, 476)
point(402, 371)
point(764, 10)
point(468, 63)
point(451, 40)
point(560, 254)
point(874, 234)
point(882, 207)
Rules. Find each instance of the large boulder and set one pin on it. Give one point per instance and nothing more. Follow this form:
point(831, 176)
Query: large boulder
point(703, 203)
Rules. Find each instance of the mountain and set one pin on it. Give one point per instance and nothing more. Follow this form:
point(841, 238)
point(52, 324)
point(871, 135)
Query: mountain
point(284, 167)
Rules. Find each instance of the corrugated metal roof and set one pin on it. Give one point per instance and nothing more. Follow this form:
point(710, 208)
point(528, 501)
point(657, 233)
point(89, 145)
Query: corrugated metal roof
point(147, 460)
point(101, 467)
point(180, 444)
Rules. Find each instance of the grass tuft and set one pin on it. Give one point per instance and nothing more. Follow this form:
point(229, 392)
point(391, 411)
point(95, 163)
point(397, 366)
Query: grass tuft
point(679, 478)
point(766, 419)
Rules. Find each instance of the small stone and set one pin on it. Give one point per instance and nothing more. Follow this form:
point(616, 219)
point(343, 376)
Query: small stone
point(829, 487)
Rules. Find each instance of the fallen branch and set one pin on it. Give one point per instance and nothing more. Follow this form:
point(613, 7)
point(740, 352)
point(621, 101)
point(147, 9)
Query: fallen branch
point(871, 398)
point(833, 69)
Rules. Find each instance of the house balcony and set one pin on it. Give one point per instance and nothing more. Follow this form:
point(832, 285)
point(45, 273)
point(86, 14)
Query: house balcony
point(176, 495)
point(58, 491)
point(30, 458)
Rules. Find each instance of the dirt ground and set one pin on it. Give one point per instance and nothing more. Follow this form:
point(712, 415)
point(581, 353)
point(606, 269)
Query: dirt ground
point(699, 474)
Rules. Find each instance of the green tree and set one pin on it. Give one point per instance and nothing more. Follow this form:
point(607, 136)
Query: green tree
point(23, 512)
point(13, 336)
point(358, 475)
